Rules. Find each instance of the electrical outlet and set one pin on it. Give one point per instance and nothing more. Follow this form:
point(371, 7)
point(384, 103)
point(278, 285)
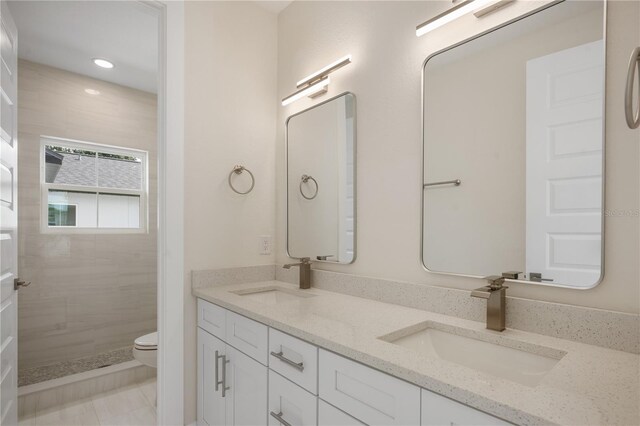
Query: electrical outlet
point(265, 244)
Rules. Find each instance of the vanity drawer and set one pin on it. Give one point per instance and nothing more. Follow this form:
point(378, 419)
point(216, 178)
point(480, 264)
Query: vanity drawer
point(289, 401)
point(247, 336)
point(294, 359)
point(368, 395)
point(212, 318)
point(328, 415)
point(438, 410)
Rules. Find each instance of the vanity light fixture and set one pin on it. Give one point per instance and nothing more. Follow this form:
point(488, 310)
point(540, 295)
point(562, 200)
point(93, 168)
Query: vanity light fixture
point(103, 63)
point(480, 8)
point(312, 90)
point(317, 83)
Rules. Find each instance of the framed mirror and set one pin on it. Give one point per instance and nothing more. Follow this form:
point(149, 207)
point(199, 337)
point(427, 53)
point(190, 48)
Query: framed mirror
point(513, 150)
point(321, 196)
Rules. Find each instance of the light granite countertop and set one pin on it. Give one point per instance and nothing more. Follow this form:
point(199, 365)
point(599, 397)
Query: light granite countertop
point(590, 385)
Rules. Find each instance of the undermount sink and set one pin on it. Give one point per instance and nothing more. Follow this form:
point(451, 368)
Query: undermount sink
point(273, 295)
point(449, 343)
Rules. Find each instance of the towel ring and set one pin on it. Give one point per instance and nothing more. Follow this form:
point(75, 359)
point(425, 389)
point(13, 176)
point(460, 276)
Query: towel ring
point(238, 170)
point(306, 179)
point(633, 119)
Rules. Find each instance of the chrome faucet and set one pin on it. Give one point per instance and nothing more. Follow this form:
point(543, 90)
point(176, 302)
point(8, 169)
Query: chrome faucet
point(495, 293)
point(305, 271)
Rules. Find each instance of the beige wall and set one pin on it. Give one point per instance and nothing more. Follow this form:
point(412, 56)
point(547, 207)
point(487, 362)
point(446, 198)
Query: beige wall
point(230, 118)
point(90, 293)
point(386, 78)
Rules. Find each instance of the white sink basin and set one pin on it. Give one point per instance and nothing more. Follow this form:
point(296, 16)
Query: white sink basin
point(517, 365)
point(273, 295)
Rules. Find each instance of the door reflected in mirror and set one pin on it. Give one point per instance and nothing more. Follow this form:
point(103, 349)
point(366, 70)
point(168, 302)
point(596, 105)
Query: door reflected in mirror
point(321, 181)
point(516, 115)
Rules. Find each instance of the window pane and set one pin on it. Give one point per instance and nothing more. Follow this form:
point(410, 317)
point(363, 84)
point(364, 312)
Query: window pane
point(119, 211)
point(70, 166)
point(62, 215)
point(81, 208)
point(119, 171)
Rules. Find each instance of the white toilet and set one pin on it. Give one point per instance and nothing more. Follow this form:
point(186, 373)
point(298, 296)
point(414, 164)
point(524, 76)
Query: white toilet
point(145, 349)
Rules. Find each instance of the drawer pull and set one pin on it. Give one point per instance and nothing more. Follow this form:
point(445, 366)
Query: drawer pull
point(222, 382)
point(278, 417)
point(297, 365)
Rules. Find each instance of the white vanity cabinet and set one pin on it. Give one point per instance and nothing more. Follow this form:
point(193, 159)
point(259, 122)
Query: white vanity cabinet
point(438, 411)
point(328, 415)
point(232, 386)
point(272, 378)
point(369, 395)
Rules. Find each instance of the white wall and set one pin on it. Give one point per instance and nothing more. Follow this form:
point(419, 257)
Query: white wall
point(230, 118)
point(386, 78)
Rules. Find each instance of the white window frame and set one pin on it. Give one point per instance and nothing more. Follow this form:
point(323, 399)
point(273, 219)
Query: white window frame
point(100, 148)
point(62, 204)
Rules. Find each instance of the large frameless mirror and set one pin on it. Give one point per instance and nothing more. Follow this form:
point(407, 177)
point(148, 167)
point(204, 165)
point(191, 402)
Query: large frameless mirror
point(321, 181)
point(513, 134)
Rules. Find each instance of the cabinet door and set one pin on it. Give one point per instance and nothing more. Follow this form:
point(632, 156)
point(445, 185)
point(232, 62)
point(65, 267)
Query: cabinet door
point(247, 335)
point(246, 399)
point(440, 411)
point(211, 410)
point(369, 395)
point(295, 359)
point(328, 415)
point(290, 403)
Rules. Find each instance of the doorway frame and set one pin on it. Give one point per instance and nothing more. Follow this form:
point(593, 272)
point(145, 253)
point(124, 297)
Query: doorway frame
point(170, 246)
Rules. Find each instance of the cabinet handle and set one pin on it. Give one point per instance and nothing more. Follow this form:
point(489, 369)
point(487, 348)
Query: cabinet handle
point(222, 382)
point(296, 365)
point(216, 370)
point(633, 119)
point(278, 417)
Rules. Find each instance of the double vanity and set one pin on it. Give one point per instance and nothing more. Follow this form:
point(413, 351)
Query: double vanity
point(271, 353)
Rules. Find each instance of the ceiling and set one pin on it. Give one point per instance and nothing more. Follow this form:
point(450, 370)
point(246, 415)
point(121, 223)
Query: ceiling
point(68, 34)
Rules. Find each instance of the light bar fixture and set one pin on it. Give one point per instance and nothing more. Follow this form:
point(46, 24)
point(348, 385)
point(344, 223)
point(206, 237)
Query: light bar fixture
point(312, 90)
point(479, 7)
point(317, 83)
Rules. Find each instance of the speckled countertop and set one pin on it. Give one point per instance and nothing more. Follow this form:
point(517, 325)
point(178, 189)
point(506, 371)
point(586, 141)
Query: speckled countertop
point(590, 385)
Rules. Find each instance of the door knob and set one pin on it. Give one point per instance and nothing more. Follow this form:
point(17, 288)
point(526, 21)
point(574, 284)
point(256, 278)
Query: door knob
point(17, 283)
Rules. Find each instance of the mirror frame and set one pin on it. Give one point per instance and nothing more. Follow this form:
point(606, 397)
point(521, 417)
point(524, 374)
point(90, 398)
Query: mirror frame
point(604, 145)
point(355, 176)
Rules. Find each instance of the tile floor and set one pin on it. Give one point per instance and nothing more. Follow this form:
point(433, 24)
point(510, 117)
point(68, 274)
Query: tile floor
point(133, 405)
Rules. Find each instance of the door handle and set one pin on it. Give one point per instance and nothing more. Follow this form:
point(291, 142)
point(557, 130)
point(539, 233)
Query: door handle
point(17, 283)
point(633, 119)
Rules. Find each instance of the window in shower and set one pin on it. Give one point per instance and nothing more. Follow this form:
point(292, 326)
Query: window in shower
point(91, 188)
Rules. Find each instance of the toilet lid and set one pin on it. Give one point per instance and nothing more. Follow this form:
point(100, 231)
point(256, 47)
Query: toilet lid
point(148, 341)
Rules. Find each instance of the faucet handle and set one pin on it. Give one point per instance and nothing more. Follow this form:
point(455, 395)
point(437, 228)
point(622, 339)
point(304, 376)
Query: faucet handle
point(512, 275)
point(495, 281)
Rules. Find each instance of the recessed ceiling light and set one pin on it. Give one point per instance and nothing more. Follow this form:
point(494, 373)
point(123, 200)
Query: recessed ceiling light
point(92, 91)
point(103, 63)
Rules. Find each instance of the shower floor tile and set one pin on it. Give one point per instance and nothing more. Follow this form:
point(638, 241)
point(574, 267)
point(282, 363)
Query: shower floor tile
point(29, 376)
point(132, 405)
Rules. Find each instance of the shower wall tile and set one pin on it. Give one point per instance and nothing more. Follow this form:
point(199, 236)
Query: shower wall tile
point(90, 293)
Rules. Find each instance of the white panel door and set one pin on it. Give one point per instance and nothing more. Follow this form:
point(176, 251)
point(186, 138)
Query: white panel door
point(211, 403)
point(246, 399)
point(8, 220)
point(564, 165)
